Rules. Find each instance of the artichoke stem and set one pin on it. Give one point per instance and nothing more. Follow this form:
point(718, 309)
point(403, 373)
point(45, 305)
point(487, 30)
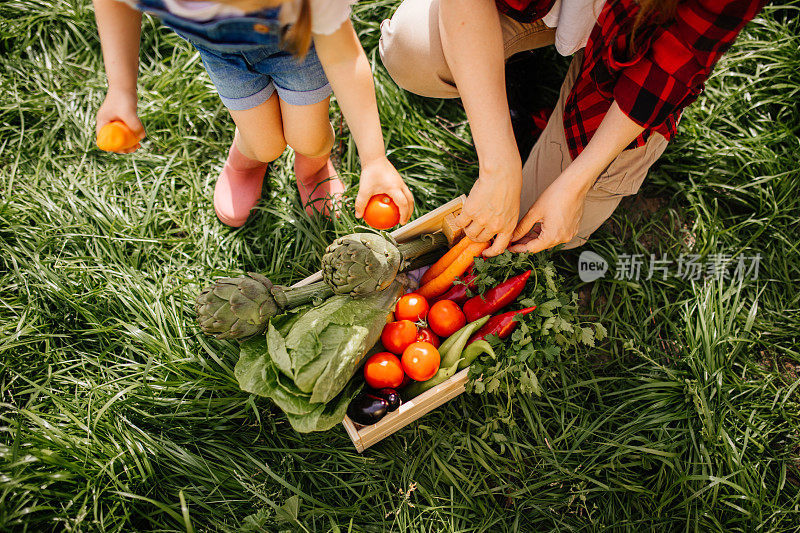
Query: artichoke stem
point(422, 245)
point(291, 297)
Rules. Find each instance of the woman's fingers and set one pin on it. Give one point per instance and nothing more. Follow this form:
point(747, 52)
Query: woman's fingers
point(499, 245)
point(524, 226)
point(533, 245)
point(463, 220)
point(477, 232)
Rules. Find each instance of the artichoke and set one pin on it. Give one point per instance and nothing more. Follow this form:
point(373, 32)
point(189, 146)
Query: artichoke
point(237, 308)
point(364, 263)
point(360, 264)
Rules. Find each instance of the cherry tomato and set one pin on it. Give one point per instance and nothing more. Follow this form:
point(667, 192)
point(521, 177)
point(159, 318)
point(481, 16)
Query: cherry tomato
point(426, 335)
point(383, 370)
point(446, 317)
point(411, 307)
point(382, 212)
point(421, 361)
point(396, 336)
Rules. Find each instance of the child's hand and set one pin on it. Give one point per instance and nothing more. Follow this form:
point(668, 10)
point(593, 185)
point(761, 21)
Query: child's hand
point(120, 105)
point(379, 176)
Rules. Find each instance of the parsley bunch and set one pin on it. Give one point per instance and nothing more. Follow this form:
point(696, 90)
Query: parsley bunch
point(520, 363)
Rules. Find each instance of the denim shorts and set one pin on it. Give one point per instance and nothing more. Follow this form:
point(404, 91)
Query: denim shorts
point(244, 58)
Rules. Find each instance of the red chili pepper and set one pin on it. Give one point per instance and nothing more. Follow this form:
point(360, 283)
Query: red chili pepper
point(496, 298)
point(500, 325)
point(458, 292)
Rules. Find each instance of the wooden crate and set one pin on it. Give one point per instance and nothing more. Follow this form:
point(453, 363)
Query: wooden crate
point(365, 436)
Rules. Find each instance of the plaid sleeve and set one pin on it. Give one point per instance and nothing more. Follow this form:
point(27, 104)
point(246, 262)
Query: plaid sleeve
point(681, 58)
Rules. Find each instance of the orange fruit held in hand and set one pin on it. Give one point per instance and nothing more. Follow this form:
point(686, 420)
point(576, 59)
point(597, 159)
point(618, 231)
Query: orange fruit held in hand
point(116, 136)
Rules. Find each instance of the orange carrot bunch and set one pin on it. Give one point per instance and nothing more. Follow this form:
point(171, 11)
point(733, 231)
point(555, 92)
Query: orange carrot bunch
point(442, 274)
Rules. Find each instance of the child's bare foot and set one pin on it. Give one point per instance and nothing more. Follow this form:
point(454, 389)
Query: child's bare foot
point(320, 188)
point(238, 187)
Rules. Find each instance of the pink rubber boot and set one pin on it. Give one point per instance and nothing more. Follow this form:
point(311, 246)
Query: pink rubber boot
point(320, 188)
point(238, 187)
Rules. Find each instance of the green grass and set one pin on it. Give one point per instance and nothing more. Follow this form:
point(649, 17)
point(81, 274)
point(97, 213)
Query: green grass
point(117, 414)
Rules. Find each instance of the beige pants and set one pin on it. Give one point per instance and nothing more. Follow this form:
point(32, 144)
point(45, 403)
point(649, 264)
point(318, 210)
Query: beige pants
point(411, 50)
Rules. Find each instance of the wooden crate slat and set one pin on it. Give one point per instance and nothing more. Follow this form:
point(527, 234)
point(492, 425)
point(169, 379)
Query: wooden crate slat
point(411, 410)
point(352, 432)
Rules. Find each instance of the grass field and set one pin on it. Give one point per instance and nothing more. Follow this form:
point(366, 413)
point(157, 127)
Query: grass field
point(117, 414)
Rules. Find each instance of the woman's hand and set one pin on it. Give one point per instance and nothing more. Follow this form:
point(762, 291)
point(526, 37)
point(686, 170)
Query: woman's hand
point(121, 105)
point(378, 176)
point(558, 211)
point(492, 207)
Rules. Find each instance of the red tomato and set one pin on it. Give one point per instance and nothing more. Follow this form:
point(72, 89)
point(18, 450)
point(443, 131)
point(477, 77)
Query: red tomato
point(383, 370)
point(411, 307)
point(446, 317)
point(381, 212)
point(426, 335)
point(421, 361)
point(396, 336)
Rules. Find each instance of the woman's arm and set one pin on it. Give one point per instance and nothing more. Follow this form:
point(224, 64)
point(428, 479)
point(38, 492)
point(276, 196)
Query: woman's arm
point(473, 47)
point(560, 207)
point(669, 76)
point(350, 76)
point(120, 29)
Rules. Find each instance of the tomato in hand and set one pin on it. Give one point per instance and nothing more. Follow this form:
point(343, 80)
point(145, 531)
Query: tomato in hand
point(411, 307)
point(381, 212)
point(396, 336)
point(426, 335)
point(383, 370)
point(446, 317)
point(421, 361)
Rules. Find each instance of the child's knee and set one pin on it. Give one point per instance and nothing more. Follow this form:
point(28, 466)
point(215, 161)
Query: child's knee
point(312, 145)
point(269, 151)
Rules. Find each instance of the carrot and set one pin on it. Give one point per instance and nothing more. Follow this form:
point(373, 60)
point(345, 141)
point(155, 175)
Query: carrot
point(439, 285)
point(439, 266)
point(116, 136)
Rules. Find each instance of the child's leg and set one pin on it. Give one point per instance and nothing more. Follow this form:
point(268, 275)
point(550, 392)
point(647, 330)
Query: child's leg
point(308, 131)
point(260, 131)
point(258, 141)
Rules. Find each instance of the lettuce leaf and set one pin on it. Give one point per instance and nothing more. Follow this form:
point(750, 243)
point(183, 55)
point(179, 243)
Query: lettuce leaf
point(257, 374)
point(329, 414)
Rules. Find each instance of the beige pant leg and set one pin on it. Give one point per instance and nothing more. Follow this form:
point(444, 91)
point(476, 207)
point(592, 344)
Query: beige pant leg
point(411, 47)
point(550, 156)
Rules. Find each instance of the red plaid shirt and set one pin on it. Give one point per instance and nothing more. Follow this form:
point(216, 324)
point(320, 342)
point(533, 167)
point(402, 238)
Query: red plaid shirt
point(653, 81)
point(525, 10)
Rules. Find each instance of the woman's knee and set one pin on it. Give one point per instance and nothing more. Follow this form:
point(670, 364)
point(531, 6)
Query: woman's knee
point(397, 51)
point(411, 49)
